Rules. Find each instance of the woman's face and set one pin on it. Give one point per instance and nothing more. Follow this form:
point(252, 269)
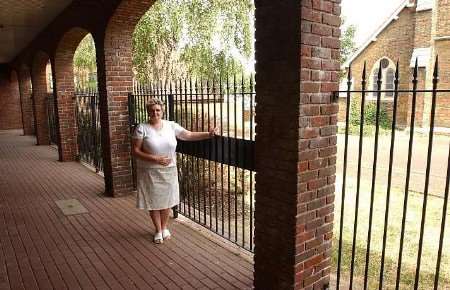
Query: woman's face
point(155, 113)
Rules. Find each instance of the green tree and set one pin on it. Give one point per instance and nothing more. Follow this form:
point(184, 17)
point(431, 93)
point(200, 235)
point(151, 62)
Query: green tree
point(195, 37)
point(84, 62)
point(348, 45)
point(176, 38)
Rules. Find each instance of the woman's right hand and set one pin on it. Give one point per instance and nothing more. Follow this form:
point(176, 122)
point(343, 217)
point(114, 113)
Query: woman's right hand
point(163, 160)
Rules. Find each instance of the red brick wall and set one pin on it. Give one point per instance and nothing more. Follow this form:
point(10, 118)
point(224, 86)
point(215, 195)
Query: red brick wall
point(296, 71)
point(422, 28)
point(26, 101)
point(39, 82)
point(65, 97)
point(442, 49)
point(442, 18)
point(10, 110)
point(116, 62)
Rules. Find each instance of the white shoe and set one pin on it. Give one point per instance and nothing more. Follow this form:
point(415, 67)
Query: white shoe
point(166, 234)
point(158, 238)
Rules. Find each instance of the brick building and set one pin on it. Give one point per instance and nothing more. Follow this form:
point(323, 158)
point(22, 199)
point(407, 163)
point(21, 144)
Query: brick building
point(417, 29)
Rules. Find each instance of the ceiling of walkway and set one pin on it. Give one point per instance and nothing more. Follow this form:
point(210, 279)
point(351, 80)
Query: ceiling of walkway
point(22, 20)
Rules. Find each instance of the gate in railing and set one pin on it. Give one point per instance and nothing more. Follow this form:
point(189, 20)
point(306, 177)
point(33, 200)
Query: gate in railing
point(52, 126)
point(88, 124)
point(216, 176)
point(390, 219)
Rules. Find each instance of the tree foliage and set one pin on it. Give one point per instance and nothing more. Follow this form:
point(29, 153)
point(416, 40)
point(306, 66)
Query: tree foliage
point(175, 38)
point(84, 60)
point(195, 37)
point(348, 45)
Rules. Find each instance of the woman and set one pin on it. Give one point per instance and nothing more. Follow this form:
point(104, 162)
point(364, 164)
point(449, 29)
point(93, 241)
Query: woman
point(154, 145)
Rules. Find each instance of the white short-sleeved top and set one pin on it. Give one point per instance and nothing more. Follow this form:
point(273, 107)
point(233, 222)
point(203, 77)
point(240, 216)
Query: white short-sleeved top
point(162, 142)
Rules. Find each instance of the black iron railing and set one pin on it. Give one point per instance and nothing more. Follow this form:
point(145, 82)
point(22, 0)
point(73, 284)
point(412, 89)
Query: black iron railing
point(88, 124)
point(217, 175)
point(51, 115)
point(392, 208)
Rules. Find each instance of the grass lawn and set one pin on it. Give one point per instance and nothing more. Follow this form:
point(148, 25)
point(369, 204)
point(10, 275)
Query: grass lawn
point(411, 239)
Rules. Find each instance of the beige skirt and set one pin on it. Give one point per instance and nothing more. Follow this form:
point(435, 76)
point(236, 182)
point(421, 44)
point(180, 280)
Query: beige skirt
point(157, 188)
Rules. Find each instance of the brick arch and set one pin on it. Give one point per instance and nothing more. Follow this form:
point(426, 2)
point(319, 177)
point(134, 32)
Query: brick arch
point(64, 89)
point(39, 81)
point(25, 87)
point(118, 78)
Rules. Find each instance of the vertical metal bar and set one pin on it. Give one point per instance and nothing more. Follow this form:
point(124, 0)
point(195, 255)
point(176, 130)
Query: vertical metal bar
point(202, 106)
point(180, 92)
point(374, 176)
point(388, 193)
point(443, 221)
point(138, 104)
point(143, 100)
point(197, 163)
point(216, 152)
point(191, 158)
point(358, 186)
point(243, 170)
point(223, 154)
point(94, 135)
point(427, 176)
point(209, 154)
point(229, 157)
point(251, 172)
point(188, 163)
point(408, 173)
point(344, 177)
point(237, 158)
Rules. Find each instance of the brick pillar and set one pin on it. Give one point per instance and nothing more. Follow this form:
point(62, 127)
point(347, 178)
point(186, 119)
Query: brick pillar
point(39, 81)
point(26, 101)
point(65, 98)
point(440, 44)
point(10, 111)
point(297, 52)
point(115, 76)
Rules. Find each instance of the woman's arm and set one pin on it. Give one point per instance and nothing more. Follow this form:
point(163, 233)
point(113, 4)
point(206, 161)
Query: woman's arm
point(187, 135)
point(139, 153)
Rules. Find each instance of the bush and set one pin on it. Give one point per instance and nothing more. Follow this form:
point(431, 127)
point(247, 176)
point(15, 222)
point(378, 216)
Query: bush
point(370, 113)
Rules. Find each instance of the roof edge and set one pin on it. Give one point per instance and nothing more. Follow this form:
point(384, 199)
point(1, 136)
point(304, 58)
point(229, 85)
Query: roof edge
point(373, 36)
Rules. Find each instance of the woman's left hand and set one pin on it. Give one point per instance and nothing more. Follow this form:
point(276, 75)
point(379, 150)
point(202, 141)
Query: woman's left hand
point(213, 132)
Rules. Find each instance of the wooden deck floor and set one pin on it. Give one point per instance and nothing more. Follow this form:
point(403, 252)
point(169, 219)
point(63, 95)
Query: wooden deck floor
point(108, 247)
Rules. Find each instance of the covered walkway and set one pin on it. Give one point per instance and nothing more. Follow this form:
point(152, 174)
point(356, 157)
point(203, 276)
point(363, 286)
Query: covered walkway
point(108, 245)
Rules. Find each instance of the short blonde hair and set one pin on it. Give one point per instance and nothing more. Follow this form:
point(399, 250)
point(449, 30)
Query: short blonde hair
point(154, 101)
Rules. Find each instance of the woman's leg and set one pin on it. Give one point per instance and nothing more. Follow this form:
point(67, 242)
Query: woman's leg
point(156, 219)
point(164, 213)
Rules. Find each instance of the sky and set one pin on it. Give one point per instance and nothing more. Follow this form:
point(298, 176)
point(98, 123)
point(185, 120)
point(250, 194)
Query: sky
point(367, 15)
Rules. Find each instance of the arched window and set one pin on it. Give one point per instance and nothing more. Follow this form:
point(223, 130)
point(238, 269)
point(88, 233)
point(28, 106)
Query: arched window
point(387, 78)
point(389, 83)
point(375, 83)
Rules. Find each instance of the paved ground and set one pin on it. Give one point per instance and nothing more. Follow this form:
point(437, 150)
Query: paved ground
point(438, 169)
point(107, 248)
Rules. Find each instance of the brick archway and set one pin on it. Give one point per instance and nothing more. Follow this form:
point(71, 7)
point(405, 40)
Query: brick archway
point(116, 83)
point(26, 100)
point(39, 81)
point(64, 88)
